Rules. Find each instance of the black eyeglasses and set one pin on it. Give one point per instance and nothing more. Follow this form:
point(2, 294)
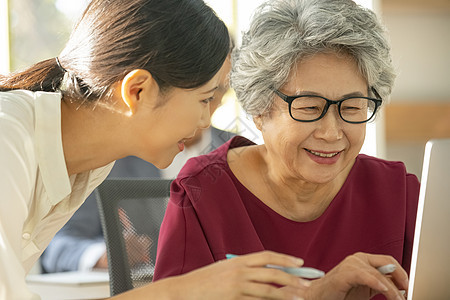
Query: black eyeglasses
point(310, 108)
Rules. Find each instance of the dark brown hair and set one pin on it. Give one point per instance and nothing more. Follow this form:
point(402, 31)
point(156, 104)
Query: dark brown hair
point(182, 43)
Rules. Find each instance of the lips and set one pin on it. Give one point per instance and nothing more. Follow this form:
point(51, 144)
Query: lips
point(323, 154)
point(324, 157)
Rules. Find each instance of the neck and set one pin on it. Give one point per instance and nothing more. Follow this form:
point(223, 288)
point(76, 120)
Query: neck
point(90, 136)
point(296, 198)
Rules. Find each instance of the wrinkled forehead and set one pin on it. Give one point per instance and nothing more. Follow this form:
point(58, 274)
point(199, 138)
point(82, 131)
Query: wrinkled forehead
point(331, 73)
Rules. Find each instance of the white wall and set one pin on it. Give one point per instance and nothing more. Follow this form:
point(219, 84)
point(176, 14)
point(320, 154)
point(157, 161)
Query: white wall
point(420, 38)
point(421, 52)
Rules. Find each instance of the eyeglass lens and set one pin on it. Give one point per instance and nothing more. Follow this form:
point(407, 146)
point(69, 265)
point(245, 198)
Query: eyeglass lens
point(308, 108)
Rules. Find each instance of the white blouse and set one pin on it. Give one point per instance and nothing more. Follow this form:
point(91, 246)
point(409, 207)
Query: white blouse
point(37, 197)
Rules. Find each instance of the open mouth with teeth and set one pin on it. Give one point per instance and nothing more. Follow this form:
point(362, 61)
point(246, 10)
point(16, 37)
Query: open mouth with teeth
point(321, 154)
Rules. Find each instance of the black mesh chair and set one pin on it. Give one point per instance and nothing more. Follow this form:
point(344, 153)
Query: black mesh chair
point(131, 212)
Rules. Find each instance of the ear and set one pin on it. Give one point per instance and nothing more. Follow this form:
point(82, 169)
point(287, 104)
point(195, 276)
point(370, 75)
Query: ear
point(134, 85)
point(258, 122)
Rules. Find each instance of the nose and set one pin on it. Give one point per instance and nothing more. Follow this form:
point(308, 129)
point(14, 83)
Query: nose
point(330, 126)
point(205, 119)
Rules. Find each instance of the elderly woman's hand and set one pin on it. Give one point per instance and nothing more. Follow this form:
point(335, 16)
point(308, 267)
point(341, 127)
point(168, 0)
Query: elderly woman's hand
point(243, 277)
point(357, 277)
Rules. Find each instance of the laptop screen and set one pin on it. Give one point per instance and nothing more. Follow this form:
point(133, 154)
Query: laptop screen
point(430, 265)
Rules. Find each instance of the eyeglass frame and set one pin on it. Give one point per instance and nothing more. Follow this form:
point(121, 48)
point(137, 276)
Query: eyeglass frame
point(290, 99)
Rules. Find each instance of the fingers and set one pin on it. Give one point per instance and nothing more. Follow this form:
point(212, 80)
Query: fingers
point(245, 277)
point(258, 281)
point(357, 273)
point(377, 282)
point(263, 258)
point(398, 276)
point(382, 283)
point(125, 221)
point(278, 277)
point(387, 287)
point(138, 248)
point(357, 277)
point(264, 291)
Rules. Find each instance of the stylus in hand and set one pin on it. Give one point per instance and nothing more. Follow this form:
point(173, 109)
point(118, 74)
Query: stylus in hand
point(304, 272)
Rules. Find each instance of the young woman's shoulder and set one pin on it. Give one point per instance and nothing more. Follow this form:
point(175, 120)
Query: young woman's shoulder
point(16, 103)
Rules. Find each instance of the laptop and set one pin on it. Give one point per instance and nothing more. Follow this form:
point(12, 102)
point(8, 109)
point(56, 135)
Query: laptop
point(430, 265)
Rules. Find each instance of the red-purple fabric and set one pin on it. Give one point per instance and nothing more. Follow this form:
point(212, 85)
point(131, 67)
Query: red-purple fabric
point(211, 213)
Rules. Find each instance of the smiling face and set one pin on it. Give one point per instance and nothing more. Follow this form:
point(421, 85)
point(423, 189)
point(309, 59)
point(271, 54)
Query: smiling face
point(320, 151)
point(164, 129)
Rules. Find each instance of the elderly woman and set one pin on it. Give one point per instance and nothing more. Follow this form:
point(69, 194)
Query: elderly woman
point(311, 74)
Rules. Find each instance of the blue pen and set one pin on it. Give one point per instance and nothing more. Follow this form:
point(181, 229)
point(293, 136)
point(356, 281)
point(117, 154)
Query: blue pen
point(304, 272)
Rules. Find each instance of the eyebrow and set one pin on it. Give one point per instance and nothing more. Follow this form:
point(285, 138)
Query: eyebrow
point(353, 94)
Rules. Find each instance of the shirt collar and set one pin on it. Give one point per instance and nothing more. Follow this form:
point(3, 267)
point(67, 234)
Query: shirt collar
point(49, 149)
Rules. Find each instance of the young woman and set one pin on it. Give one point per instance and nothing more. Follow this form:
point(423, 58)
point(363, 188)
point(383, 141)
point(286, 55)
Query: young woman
point(135, 78)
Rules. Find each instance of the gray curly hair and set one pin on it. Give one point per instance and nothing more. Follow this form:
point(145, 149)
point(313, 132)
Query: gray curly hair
point(282, 32)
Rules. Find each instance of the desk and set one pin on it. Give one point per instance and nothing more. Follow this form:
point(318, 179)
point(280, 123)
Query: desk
point(70, 285)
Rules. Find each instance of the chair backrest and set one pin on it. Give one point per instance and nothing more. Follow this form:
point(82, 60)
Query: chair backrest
point(131, 212)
